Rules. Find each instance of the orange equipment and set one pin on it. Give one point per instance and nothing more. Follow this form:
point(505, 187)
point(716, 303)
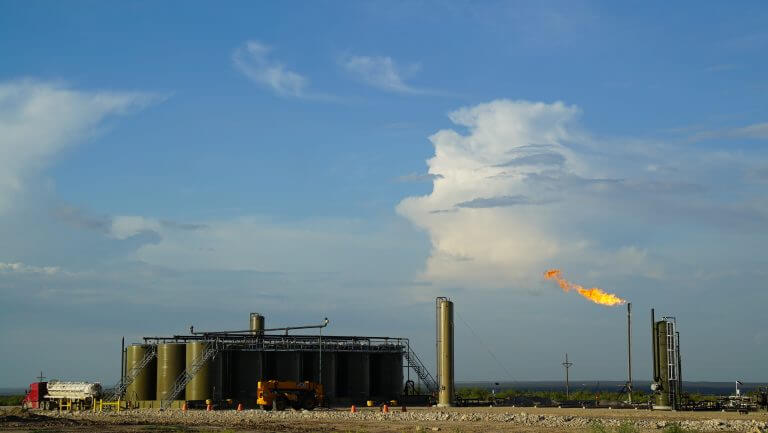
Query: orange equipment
point(278, 395)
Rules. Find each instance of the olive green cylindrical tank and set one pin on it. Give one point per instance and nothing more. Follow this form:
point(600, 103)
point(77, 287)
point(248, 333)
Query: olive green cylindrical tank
point(445, 352)
point(256, 323)
point(246, 371)
point(199, 388)
point(170, 365)
point(144, 385)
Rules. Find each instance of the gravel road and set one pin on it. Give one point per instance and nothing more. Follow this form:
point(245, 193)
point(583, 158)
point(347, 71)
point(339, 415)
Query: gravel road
point(416, 419)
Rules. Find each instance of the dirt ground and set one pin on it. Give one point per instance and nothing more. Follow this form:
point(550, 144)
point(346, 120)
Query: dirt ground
point(368, 420)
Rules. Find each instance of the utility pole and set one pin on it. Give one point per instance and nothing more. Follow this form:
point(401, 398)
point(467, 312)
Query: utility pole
point(567, 365)
point(122, 362)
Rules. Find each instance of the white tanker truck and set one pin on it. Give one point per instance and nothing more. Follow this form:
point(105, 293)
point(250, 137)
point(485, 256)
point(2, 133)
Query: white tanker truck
point(73, 390)
point(62, 395)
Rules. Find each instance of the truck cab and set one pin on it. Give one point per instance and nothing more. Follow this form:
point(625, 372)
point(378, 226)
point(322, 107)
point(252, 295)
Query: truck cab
point(35, 397)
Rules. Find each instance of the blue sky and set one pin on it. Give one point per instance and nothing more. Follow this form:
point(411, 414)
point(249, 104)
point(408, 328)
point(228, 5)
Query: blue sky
point(177, 163)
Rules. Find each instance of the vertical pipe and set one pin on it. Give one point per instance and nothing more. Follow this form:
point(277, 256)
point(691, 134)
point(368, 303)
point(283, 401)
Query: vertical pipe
point(567, 378)
point(452, 392)
point(679, 368)
point(654, 347)
point(125, 365)
point(438, 342)
point(122, 362)
point(445, 359)
point(629, 350)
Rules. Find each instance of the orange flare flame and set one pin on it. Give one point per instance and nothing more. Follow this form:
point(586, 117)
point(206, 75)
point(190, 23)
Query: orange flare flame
point(598, 296)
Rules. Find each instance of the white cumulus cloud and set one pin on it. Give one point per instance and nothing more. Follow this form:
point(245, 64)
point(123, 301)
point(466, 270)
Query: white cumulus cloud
point(520, 192)
point(485, 227)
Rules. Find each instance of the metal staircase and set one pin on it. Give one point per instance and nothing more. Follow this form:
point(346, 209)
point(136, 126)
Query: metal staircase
point(187, 375)
point(132, 374)
point(415, 363)
point(672, 365)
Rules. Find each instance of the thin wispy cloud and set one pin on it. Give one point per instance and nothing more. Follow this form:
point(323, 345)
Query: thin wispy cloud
point(548, 158)
point(759, 174)
point(126, 226)
point(39, 120)
point(382, 72)
point(418, 177)
point(118, 227)
point(254, 61)
point(502, 201)
point(22, 268)
point(756, 131)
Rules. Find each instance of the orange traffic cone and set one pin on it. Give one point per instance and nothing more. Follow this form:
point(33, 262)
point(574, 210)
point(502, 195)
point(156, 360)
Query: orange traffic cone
point(183, 407)
point(239, 407)
point(353, 409)
point(385, 408)
point(209, 407)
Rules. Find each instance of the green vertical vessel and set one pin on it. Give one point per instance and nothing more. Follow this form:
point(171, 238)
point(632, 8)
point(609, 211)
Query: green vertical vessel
point(662, 398)
point(170, 365)
point(200, 387)
point(667, 371)
point(144, 385)
point(257, 324)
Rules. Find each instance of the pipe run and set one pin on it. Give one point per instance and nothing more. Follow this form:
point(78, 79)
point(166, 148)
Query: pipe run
point(251, 331)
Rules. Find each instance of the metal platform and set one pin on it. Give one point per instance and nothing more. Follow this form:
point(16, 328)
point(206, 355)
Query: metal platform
point(292, 343)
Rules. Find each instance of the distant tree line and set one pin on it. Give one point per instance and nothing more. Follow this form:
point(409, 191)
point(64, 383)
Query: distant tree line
point(579, 395)
point(11, 400)
point(576, 395)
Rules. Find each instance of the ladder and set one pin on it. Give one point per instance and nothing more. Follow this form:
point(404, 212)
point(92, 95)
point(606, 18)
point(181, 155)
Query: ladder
point(415, 363)
point(133, 373)
point(187, 375)
point(672, 364)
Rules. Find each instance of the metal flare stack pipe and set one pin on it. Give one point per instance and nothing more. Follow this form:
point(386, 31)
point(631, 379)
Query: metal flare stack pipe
point(445, 377)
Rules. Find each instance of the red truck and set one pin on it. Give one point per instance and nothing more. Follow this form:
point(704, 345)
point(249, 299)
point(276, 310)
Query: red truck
point(35, 398)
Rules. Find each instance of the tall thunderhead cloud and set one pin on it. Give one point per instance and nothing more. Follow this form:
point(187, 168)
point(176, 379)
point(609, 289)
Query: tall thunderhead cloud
point(488, 218)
